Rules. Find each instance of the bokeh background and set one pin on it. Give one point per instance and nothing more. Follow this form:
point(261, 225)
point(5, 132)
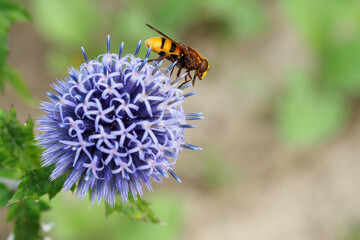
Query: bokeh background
point(281, 136)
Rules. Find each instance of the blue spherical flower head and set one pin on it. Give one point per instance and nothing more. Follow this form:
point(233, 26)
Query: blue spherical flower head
point(114, 125)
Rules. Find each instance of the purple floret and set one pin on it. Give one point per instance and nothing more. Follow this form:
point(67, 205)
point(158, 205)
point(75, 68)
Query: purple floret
point(115, 125)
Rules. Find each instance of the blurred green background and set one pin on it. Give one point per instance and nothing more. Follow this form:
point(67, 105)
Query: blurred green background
point(281, 136)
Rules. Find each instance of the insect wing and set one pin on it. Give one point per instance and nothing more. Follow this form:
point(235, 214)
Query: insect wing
point(160, 33)
point(164, 35)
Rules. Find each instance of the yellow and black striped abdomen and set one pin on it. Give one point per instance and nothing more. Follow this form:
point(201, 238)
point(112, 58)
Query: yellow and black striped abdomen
point(164, 47)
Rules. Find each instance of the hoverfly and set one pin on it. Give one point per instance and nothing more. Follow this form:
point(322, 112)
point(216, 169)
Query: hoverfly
point(185, 56)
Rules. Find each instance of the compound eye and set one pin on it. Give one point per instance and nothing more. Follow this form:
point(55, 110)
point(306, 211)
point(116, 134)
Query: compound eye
point(203, 65)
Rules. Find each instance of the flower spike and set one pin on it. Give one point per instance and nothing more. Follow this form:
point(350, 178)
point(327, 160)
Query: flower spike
point(121, 50)
point(137, 49)
point(170, 67)
point(84, 55)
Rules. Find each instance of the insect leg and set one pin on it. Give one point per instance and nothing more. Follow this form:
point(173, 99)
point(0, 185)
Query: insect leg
point(178, 73)
point(189, 75)
point(193, 82)
point(171, 58)
point(157, 59)
point(186, 80)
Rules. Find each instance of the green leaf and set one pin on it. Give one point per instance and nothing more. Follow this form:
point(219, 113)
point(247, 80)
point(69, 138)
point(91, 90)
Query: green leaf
point(135, 209)
point(17, 145)
point(26, 216)
point(19, 85)
point(306, 115)
point(5, 195)
point(36, 183)
point(9, 12)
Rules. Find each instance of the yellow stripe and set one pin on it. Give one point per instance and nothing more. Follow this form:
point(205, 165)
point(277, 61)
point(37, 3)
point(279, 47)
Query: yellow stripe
point(155, 44)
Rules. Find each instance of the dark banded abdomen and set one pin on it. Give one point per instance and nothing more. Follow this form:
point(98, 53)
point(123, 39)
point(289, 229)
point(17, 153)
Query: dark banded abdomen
point(164, 47)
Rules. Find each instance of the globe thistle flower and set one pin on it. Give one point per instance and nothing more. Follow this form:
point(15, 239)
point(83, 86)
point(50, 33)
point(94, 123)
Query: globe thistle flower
point(115, 125)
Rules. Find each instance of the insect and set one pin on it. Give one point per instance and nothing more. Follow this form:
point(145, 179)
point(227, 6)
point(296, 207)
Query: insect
point(186, 57)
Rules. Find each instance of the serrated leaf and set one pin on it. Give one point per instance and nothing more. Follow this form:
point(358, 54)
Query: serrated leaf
point(17, 145)
point(36, 183)
point(135, 209)
point(26, 216)
point(5, 195)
